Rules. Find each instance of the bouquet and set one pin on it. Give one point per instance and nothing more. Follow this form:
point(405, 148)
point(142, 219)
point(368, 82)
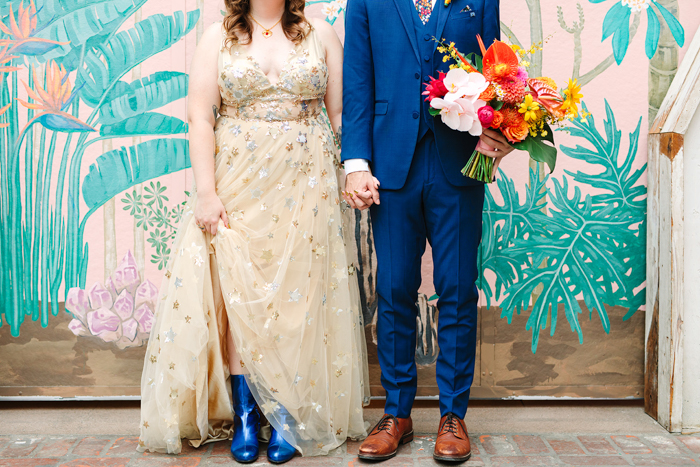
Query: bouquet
point(495, 91)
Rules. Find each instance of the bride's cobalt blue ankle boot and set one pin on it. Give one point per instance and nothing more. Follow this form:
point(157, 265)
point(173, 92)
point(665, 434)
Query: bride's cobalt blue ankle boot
point(280, 451)
point(246, 422)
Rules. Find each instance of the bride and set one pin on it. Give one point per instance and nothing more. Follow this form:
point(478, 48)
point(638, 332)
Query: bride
point(260, 309)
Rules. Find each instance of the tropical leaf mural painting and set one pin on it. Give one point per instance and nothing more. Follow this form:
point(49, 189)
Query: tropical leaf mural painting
point(543, 243)
point(78, 57)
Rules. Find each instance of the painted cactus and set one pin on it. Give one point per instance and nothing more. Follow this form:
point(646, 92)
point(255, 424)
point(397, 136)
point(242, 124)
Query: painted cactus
point(120, 311)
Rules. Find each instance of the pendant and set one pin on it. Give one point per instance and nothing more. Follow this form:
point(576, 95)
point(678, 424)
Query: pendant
point(267, 33)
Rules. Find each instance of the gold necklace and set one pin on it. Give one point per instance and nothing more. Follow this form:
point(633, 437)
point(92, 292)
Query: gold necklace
point(267, 32)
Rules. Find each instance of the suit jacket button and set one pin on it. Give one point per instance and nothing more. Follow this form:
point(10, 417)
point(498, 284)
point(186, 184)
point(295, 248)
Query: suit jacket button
point(426, 37)
point(426, 58)
point(417, 75)
point(415, 115)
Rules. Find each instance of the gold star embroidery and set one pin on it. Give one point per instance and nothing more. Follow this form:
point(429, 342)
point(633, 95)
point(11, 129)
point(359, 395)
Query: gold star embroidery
point(324, 195)
point(187, 319)
point(290, 146)
point(340, 430)
point(167, 274)
point(176, 305)
point(242, 364)
point(141, 444)
point(171, 366)
point(273, 391)
point(338, 373)
point(266, 255)
point(314, 361)
point(153, 358)
point(145, 424)
point(312, 383)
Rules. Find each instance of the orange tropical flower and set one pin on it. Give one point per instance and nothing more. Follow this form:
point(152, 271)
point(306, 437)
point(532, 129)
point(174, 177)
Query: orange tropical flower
point(544, 91)
point(54, 100)
point(4, 58)
point(489, 94)
point(2, 112)
point(514, 126)
point(497, 120)
point(22, 30)
point(499, 61)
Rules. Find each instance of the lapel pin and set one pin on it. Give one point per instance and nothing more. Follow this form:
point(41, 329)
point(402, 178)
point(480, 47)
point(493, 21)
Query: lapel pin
point(466, 9)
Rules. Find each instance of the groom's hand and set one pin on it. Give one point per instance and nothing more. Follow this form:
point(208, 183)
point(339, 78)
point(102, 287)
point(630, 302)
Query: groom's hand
point(495, 139)
point(361, 190)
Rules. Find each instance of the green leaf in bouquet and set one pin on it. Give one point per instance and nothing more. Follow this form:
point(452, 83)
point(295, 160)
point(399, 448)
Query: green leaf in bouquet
point(434, 112)
point(476, 61)
point(538, 148)
point(496, 104)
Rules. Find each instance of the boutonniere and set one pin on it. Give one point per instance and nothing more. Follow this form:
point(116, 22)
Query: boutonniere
point(447, 2)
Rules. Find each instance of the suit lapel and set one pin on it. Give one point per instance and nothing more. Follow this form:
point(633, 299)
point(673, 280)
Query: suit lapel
point(443, 13)
point(405, 12)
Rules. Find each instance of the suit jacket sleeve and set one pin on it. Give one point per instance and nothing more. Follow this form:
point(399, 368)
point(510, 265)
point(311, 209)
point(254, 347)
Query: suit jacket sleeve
point(358, 84)
point(492, 22)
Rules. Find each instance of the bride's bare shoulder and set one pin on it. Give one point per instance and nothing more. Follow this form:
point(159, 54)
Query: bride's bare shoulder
point(213, 34)
point(325, 31)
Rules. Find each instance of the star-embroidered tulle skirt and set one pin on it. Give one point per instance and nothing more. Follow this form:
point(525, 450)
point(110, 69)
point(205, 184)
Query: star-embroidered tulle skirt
point(281, 278)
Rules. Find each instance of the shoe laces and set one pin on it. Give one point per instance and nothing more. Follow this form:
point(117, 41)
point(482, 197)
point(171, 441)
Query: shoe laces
point(384, 424)
point(451, 424)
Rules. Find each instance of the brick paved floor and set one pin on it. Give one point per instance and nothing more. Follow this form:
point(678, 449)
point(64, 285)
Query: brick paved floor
point(488, 450)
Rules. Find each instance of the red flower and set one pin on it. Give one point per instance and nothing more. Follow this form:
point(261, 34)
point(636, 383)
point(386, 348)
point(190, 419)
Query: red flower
point(486, 116)
point(435, 88)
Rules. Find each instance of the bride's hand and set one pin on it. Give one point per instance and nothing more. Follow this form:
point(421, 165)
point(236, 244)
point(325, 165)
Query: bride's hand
point(208, 212)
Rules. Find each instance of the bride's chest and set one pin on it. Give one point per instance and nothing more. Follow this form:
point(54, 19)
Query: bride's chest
point(302, 74)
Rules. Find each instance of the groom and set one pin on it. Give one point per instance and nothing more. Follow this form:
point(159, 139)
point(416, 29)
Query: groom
point(389, 53)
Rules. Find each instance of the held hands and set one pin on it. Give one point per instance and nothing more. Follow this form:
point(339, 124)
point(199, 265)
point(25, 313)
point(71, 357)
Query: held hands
point(361, 190)
point(493, 144)
point(209, 211)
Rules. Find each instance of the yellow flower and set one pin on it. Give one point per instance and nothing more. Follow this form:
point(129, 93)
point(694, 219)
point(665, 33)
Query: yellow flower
point(515, 47)
point(573, 98)
point(530, 109)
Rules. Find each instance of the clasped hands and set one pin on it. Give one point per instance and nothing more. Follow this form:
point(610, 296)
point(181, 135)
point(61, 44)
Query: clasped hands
point(362, 189)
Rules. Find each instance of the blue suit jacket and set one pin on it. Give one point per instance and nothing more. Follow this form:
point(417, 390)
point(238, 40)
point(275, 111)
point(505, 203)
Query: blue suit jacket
point(382, 83)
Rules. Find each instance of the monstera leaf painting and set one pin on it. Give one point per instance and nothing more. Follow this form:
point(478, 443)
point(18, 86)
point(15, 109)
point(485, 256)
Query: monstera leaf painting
point(587, 246)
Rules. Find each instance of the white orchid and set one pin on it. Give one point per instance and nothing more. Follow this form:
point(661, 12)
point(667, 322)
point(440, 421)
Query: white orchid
point(463, 85)
point(460, 114)
point(332, 10)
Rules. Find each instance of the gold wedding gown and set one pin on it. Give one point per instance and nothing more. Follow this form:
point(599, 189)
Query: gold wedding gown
point(280, 276)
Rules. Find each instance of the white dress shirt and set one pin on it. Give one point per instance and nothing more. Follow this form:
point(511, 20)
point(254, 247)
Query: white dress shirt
point(361, 165)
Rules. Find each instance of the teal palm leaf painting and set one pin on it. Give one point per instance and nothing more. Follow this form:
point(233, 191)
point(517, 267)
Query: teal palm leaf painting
point(502, 224)
point(618, 21)
point(77, 55)
point(587, 247)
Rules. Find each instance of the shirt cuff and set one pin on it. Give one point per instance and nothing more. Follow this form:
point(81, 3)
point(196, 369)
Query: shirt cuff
point(356, 165)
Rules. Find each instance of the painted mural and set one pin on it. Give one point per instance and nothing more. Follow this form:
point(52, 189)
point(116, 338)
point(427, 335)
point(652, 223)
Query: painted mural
point(93, 155)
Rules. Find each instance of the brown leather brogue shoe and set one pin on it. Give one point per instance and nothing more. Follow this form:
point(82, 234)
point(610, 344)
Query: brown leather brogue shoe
point(384, 439)
point(452, 443)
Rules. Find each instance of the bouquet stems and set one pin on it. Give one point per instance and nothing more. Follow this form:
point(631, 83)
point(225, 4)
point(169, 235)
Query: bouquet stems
point(479, 167)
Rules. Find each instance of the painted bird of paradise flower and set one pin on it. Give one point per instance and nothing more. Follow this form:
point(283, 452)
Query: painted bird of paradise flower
point(6, 59)
point(22, 31)
point(54, 101)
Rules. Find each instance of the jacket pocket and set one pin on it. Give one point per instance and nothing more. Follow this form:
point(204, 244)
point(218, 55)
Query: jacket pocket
point(465, 14)
point(381, 107)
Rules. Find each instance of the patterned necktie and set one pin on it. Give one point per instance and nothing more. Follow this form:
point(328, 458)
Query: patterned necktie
point(425, 8)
